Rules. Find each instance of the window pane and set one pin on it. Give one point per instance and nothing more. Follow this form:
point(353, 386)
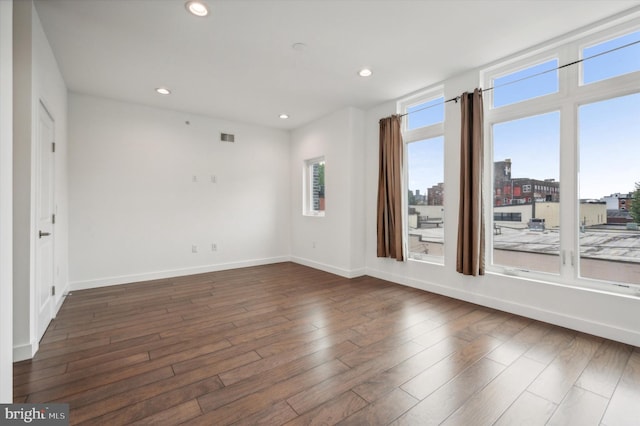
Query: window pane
point(317, 186)
point(526, 193)
point(609, 174)
point(425, 160)
point(611, 64)
point(425, 114)
point(314, 192)
point(522, 85)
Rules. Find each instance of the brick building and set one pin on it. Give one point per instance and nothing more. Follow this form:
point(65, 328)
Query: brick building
point(508, 191)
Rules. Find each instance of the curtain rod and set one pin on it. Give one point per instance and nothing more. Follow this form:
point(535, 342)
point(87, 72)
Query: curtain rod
point(457, 98)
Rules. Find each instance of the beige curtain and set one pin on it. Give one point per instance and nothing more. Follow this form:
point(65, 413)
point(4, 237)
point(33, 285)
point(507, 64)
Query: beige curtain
point(470, 259)
point(390, 189)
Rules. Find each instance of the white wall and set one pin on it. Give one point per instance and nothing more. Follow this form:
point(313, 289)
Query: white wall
point(37, 79)
point(604, 314)
point(135, 211)
point(22, 182)
point(6, 202)
point(333, 242)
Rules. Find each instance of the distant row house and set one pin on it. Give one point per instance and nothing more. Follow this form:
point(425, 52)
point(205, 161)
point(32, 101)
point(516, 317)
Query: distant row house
point(619, 201)
point(619, 208)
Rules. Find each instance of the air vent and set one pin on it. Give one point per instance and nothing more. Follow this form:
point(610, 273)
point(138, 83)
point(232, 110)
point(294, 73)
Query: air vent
point(227, 137)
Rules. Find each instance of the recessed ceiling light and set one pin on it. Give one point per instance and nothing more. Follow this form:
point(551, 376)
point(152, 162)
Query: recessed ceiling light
point(298, 46)
point(284, 116)
point(197, 8)
point(163, 91)
point(365, 72)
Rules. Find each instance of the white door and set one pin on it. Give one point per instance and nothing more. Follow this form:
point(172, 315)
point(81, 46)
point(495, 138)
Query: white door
point(44, 221)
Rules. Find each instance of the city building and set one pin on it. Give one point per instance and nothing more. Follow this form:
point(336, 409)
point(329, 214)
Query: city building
point(520, 215)
point(435, 195)
point(619, 201)
point(508, 191)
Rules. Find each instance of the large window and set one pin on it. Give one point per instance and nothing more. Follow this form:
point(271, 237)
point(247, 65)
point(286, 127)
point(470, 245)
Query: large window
point(564, 151)
point(425, 186)
point(609, 170)
point(526, 155)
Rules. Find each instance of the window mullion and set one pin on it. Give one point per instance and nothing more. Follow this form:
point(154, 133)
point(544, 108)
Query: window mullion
point(569, 203)
point(568, 190)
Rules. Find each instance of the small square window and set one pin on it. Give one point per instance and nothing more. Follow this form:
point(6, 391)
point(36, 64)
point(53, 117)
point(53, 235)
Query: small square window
point(532, 82)
point(612, 64)
point(425, 114)
point(314, 187)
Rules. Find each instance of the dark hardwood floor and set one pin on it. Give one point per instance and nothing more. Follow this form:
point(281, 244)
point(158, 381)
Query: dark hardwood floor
point(286, 344)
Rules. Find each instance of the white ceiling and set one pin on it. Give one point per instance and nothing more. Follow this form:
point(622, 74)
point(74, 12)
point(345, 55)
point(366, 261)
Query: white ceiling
point(238, 63)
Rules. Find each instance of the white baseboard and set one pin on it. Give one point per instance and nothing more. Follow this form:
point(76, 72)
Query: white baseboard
point(156, 275)
point(346, 273)
point(60, 300)
point(631, 337)
point(26, 351)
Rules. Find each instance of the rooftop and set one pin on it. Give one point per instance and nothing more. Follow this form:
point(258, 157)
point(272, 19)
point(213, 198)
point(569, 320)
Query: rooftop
point(608, 244)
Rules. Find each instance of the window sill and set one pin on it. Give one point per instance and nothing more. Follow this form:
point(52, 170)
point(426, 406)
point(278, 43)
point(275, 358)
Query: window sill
point(431, 260)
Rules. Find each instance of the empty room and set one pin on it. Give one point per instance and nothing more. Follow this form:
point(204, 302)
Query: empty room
point(357, 212)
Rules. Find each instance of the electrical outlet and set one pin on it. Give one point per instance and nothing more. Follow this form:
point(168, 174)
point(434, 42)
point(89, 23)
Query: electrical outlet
point(194, 248)
point(214, 179)
point(194, 178)
point(313, 244)
point(214, 247)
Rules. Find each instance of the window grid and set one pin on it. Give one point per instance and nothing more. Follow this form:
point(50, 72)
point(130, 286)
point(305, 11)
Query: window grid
point(424, 176)
point(571, 95)
point(314, 187)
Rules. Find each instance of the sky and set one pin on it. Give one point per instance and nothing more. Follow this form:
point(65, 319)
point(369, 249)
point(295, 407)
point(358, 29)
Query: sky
point(425, 158)
point(608, 131)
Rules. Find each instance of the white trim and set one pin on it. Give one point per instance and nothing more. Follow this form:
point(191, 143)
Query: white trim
point(631, 337)
point(26, 351)
point(346, 273)
point(171, 273)
point(6, 201)
point(37, 153)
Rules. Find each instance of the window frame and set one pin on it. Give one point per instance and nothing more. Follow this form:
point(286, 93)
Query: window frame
point(521, 65)
point(307, 187)
point(603, 37)
point(417, 135)
point(423, 132)
point(572, 94)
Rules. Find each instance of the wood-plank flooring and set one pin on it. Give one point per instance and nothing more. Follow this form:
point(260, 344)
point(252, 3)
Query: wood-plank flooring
point(286, 344)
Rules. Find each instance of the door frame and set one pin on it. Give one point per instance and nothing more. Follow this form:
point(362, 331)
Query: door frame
point(36, 315)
